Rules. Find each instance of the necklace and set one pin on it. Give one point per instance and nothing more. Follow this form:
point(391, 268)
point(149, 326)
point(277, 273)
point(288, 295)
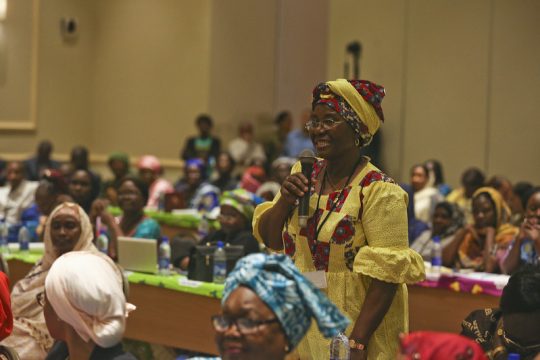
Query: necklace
point(338, 198)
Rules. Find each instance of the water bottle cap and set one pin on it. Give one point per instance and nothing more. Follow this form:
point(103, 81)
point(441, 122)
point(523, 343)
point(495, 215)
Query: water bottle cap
point(219, 244)
point(102, 232)
point(164, 239)
point(437, 238)
point(513, 356)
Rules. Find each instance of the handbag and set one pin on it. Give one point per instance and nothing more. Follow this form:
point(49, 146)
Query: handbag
point(201, 260)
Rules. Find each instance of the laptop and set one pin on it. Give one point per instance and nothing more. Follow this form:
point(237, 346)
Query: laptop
point(138, 255)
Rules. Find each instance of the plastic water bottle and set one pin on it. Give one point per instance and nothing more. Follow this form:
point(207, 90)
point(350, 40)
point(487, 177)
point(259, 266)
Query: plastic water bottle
point(102, 242)
point(204, 227)
point(164, 256)
point(24, 239)
point(4, 249)
point(436, 255)
point(339, 347)
point(220, 264)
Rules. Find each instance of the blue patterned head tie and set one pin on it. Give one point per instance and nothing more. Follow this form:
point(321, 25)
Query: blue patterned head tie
point(293, 299)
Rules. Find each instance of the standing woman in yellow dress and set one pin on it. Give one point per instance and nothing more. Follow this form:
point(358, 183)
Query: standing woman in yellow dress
point(356, 238)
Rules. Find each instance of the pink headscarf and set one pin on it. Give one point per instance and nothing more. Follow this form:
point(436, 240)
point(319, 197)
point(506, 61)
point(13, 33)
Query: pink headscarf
point(85, 290)
point(149, 162)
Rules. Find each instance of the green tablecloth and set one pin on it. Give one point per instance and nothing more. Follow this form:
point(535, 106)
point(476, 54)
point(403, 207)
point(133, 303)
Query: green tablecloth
point(188, 221)
point(172, 282)
point(30, 257)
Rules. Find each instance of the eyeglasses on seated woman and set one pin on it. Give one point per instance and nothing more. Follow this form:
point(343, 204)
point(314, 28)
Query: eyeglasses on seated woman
point(268, 307)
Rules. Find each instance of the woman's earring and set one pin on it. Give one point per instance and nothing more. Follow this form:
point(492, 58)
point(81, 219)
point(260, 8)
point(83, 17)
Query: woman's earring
point(357, 142)
point(287, 349)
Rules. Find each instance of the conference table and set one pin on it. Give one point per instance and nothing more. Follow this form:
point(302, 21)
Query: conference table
point(174, 311)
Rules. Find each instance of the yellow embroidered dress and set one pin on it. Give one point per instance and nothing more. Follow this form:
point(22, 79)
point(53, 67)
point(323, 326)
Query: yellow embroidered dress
point(364, 237)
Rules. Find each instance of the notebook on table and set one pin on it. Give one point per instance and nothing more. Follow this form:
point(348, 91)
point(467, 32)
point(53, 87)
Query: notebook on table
point(138, 255)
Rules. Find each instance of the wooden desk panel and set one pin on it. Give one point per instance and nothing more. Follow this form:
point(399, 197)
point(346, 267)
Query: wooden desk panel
point(182, 320)
point(172, 318)
point(443, 310)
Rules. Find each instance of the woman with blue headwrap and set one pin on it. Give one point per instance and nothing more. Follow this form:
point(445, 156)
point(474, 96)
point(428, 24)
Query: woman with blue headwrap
point(198, 193)
point(271, 305)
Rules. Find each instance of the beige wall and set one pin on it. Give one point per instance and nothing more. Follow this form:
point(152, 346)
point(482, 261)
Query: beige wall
point(461, 79)
point(141, 70)
point(63, 77)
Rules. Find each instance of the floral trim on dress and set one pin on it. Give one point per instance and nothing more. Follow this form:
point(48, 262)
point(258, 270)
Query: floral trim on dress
point(288, 243)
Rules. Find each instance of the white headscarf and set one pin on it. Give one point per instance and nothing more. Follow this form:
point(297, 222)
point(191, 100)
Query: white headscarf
point(85, 291)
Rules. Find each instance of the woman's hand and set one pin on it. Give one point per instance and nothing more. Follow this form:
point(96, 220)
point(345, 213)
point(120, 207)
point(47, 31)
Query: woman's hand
point(99, 208)
point(294, 187)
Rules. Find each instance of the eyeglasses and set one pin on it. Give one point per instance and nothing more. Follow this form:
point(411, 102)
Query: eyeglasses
point(523, 349)
point(326, 123)
point(244, 325)
point(40, 298)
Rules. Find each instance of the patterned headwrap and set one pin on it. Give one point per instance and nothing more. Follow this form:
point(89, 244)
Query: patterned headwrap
point(357, 101)
point(241, 200)
point(292, 298)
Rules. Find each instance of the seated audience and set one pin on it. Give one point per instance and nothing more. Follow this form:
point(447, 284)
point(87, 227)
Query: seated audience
point(298, 140)
point(447, 219)
point(67, 229)
point(522, 190)
point(52, 190)
point(204, 146)
point(41, 161)
point(245, 150)
point(281, 168)
point(132, 196)
point(525, 249)
point(80, 161)
point(85, 308)
point(436, 177)
point(198, 193)
point(483, 245)
point(515, 326)
point(236, 213)
point(17, 196)
point(415, 226)
point(6, 317)
point(119, 165)
point(254, 176)
point(274, 146)
point(504, 186)
point(425, 196)
point(471, 180)
point(272, 306)
point(223, 176)
point(150, 172)
point(438, 346)
point(81, 189)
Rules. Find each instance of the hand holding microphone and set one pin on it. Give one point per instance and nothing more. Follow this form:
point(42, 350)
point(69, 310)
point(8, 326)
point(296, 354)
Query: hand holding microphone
point(296, 187)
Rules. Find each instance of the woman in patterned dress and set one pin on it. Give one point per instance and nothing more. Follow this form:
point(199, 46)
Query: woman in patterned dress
point(356, 238)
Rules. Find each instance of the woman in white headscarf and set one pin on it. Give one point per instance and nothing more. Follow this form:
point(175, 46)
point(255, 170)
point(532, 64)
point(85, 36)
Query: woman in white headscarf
point(67, 229)
point(85, 307)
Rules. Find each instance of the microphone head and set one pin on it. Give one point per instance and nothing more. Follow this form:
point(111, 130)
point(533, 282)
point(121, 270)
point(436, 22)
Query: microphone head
point(307, 156)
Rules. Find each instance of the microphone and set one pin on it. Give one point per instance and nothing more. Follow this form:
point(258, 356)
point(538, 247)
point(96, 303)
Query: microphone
point(307, 159)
